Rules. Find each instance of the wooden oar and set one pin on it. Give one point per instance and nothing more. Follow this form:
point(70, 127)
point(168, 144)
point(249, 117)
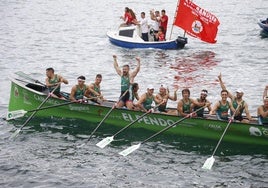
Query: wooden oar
point(135, 147)
point(26, 76)
point(105, 117)
point(31, 116)
point(210, 161)
point(20, 113)
point(109, 139)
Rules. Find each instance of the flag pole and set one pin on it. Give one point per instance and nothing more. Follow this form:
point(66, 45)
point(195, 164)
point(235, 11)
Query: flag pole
point(176, 11)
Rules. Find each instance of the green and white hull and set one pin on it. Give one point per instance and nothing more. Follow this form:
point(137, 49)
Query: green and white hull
point(23, 97)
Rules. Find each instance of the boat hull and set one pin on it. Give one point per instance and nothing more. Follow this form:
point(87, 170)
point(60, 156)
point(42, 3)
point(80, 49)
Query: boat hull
point(22, 97)
point(263, 25)
point(128, 42)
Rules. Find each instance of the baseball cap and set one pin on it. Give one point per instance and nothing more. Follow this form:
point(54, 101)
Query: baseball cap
point(150, 86)
point(239, 90)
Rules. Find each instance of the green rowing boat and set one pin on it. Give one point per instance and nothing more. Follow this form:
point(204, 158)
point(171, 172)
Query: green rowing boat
point(25, 96)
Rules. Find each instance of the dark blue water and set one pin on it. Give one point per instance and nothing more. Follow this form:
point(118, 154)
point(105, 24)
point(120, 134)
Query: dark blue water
point(71, 37)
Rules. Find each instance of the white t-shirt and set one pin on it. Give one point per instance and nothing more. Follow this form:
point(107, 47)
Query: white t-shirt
point(156, 24)
point(144, 25)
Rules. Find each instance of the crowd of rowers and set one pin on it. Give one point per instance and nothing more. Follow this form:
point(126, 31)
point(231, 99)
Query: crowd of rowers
point(130, 99)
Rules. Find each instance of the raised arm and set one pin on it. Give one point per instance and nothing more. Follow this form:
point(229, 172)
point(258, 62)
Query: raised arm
point(152, 16)
point(117, 69)
point(223, 87)
point(265, 92)
point(174, 97)
point(136, 70)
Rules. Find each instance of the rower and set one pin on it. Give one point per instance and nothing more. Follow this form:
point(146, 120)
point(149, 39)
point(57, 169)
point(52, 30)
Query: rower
point(127, 78)
point(52, 81)
point(222, 107)
point(163, 96)
point(238, 100)
point(262, 112)
point(202, 101)
point(146, 100)
point(94, 92)
point(78, 91)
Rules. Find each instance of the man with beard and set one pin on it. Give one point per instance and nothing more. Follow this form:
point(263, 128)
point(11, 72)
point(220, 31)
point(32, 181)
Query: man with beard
point(238, 100)
point(127, 79)
point(202, 101)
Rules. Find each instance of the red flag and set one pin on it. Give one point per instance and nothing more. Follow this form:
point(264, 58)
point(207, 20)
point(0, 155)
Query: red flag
point(196, 21)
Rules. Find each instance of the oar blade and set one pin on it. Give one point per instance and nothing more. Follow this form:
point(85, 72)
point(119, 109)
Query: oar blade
point(15, 134)
point(15, 114)
point(209, 163)
point(130, 149)
point(105, 142)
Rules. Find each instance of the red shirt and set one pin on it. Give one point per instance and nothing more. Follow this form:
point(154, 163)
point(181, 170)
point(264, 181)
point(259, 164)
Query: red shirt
point(164, 21)
point(128, 18)
point(161, 37)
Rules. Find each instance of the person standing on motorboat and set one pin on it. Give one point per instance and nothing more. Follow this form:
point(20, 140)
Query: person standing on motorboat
point(144, 27)
point(127, 79)
point(127, 18)
point(160, 36)
point(54, 80)
point(164, 21)
point(155, 16)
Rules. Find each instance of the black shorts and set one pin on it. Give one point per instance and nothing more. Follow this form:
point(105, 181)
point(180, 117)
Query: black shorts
point(125, 98)
point(239, 118)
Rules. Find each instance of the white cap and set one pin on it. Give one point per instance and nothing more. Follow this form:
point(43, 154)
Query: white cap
point(150, 86)
point(239, 90)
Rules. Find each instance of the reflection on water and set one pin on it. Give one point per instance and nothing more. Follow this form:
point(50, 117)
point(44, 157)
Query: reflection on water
point(191, 69)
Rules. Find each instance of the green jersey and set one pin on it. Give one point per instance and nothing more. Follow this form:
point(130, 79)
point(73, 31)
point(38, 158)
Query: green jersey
point(54, 81)
point(125, 82)
point(79, 94)
point(147, 104)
